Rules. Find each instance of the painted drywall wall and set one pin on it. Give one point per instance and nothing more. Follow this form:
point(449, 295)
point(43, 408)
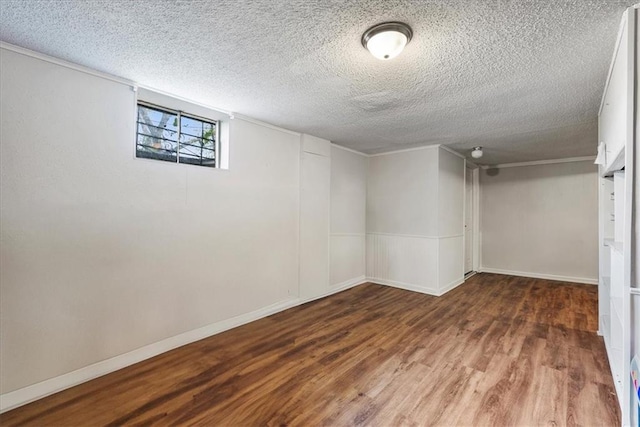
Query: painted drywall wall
point(315, 186)
point(541, 220)
point(103, 253)
point(402, 219)
point(451, 170)
point(634, 308)
point(348, 216)
point(415, 202)
point(402, 193)
point(451, 195)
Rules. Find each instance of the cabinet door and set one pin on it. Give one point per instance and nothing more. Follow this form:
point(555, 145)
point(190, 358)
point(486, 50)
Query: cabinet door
point(613, 120)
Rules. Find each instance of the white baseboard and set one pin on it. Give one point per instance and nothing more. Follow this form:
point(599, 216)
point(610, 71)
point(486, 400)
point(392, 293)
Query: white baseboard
point(45, 388)
point(585, 280)
point(338, 287)
point(451, 286)
point(348, 284)
point(402, 285)
point(416, 288)
point(470, 274)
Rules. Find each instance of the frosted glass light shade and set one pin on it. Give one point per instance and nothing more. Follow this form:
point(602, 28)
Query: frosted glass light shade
point(386, 41)
point(477, 152)
point(387, 45)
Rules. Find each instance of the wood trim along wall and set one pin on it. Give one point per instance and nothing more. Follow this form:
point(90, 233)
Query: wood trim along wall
point(45, 388)
point(261, 123)
point(66, 64)
point(404, 150)
point(415, 236)
point(585, 280)
point(360, 153)
point(452, 151)
point(540, 162)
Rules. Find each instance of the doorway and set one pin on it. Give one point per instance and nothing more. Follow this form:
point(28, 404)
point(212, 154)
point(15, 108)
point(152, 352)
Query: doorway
point(470, 236)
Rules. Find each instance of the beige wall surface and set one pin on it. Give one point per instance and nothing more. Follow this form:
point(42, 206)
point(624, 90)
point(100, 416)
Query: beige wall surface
point(541, 219)
point(103, 253)
point(402, 193)
point(451, 185)
point(348, 192)
point(348, 210)
point(415, 206)
point(451, 170)
point(315, 186)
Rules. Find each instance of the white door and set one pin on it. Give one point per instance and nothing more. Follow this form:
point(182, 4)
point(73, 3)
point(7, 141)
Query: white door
point(468, 221)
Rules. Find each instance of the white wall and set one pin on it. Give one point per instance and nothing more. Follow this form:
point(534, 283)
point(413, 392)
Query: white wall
point(348, 213)
point(415, 203)
point(402, 193)
point(634, 306)
point(103, 253)
point(314, 216)
point(402, 219)
point(108, 259)
point(451, 196)
point(541, 220)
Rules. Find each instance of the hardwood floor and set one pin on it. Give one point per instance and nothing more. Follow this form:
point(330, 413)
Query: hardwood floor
point(498, 350)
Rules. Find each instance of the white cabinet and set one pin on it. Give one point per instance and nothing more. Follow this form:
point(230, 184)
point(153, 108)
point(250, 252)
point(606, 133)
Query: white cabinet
point(613, 276)
point(617, 206)
point(612, 123)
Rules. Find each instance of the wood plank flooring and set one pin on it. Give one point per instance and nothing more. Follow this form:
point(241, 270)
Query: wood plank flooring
point(498, 350)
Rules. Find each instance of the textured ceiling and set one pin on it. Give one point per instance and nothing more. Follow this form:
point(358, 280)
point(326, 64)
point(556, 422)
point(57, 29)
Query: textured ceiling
point(522, 78)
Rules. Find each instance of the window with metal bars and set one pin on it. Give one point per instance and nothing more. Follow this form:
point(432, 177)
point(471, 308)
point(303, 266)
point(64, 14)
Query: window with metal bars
point(174, 136)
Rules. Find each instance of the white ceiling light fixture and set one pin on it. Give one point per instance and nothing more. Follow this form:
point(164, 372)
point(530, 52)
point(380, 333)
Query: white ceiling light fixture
point(476, 153)
point(385, 41)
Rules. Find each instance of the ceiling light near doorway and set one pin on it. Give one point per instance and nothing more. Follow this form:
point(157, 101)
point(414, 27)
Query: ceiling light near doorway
point(476, 153)
point(385, 41)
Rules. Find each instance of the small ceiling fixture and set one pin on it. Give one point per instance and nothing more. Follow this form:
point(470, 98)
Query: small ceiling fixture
point(476, 153)
point(386, 41)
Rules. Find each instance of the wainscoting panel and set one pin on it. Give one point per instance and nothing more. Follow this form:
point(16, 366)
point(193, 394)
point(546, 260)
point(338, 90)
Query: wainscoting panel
point(450, 259)
point(347, 257)
point(410, 262)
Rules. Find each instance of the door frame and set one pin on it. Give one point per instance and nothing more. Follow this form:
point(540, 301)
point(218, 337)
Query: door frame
point(474, 169)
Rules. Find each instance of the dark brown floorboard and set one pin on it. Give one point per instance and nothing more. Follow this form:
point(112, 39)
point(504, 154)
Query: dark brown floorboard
point(498, 350)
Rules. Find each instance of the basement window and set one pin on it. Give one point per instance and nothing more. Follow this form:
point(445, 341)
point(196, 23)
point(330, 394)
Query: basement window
point(174, 136)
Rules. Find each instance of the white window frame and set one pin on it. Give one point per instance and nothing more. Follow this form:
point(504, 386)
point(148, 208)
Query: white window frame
point(174, 105)
point(179, 114)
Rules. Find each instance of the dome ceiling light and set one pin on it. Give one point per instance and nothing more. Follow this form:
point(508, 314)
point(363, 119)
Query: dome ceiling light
point(476, 153)
point(385, 41)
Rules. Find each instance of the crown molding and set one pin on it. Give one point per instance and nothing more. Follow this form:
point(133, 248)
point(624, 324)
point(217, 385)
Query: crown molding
point(360, 153)
point(405, 150)
point(540, 162)
point(66, 64)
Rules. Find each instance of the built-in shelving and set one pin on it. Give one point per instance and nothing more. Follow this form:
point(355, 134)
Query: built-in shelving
point(613, 244)
point(612, 276)
point(615, 194)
